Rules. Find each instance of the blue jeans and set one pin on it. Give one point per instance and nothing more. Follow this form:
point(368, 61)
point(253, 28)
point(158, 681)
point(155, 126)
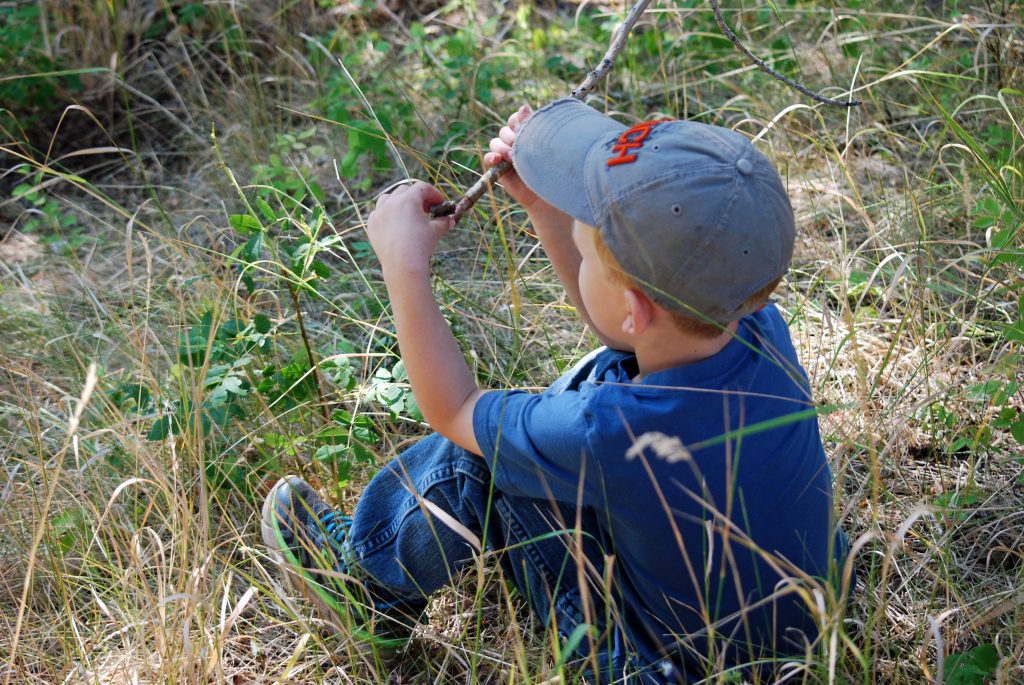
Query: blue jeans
point(406, 552)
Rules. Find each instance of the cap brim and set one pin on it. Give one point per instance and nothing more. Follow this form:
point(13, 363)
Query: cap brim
point(551, 149)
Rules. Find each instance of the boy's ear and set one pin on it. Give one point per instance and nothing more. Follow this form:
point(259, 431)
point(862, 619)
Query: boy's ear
point(640, 312)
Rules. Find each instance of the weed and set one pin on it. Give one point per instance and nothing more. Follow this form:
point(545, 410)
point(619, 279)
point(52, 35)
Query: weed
point(43, 211)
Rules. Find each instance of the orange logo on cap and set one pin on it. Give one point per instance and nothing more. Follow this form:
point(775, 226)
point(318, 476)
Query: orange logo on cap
point(632, 139)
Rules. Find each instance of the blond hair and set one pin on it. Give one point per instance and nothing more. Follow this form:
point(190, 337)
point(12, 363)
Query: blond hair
point(687, 324)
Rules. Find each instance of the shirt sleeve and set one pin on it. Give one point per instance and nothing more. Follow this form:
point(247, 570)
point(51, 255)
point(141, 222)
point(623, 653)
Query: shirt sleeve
point(537, 444)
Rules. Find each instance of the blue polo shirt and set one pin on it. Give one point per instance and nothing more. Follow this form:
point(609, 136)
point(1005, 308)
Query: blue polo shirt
point(709, 479)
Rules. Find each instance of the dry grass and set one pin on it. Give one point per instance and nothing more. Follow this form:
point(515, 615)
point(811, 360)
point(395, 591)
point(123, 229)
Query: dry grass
point(122, 562)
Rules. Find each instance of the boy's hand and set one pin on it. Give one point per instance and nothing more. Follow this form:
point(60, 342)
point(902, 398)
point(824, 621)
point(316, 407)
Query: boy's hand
point(400, 230)
point(501, 150)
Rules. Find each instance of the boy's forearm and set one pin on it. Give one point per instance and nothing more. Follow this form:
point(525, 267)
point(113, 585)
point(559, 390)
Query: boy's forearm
point(442, 383)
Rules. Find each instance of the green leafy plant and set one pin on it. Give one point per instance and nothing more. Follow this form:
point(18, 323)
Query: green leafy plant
point(281, 178)
point(242, 361)
point(390, 388)
point(957, 505)
point(973, 667)
point(227, 351)
point(43, 211)
point(347, 440)
point(343, 102)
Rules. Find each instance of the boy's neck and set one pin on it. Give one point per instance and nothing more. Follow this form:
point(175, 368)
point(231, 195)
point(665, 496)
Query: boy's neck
point(667, 347)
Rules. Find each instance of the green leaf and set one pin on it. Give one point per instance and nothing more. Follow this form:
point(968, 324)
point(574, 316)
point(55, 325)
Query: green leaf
point(130, 397)
point(190, 12)
point(222, 415)
point(398, 371)
point(320, 269)
point(1015, 331)
point(973, 667)
point(161, 429)
point(332, 435)
point(340, 371)
point(246, 224)
point(70, 526)
point(390, 394)
point(988, 207)
point(261, 322)
point(342, 469)
point(24, 190)
point(1017, 431)
point(331, 453)
point(412, 409)
point(961, 444)
point(192, 344)
point(268, 213)
point(234, 385)
point(349, 162)
point(251, 250)
point(362, 454)
point(230, 329)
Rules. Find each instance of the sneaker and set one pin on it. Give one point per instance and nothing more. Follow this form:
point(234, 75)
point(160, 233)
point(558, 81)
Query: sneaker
point(306, 538)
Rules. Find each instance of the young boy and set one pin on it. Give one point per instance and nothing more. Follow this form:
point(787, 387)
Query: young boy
point(670, 493)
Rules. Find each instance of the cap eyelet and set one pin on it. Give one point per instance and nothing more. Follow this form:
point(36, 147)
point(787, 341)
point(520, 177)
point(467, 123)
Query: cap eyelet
point(656, 147)
point(676, 209)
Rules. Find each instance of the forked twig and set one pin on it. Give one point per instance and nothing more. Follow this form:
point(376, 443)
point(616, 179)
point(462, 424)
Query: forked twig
point(465, 203)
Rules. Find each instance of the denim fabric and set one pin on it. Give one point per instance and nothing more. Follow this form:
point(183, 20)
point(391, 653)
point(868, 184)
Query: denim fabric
point(406, 553)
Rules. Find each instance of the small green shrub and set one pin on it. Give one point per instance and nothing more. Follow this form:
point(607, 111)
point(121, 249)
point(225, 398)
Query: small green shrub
point(32, 75)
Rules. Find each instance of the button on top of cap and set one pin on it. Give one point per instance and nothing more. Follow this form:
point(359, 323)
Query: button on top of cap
point(744, 166)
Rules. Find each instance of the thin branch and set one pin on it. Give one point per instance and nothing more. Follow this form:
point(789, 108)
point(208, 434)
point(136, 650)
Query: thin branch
point(767, 69)
point(466, 202)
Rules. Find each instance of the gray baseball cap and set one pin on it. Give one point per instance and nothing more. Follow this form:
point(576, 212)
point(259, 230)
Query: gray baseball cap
point(692, 212)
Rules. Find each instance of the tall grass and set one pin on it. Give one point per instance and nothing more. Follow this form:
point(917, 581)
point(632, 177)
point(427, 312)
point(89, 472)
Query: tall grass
point(135, 435)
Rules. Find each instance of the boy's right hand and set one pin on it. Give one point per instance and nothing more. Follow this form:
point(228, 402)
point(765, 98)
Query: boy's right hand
point(501, 150)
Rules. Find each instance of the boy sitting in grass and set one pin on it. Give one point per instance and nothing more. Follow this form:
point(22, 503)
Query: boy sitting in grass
point(668, 498)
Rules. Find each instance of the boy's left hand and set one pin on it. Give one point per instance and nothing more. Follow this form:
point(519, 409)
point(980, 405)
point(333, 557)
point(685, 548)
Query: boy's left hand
point(400, 229)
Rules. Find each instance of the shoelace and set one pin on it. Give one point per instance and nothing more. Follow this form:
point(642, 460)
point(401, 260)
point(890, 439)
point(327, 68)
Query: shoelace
point(336, 526)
